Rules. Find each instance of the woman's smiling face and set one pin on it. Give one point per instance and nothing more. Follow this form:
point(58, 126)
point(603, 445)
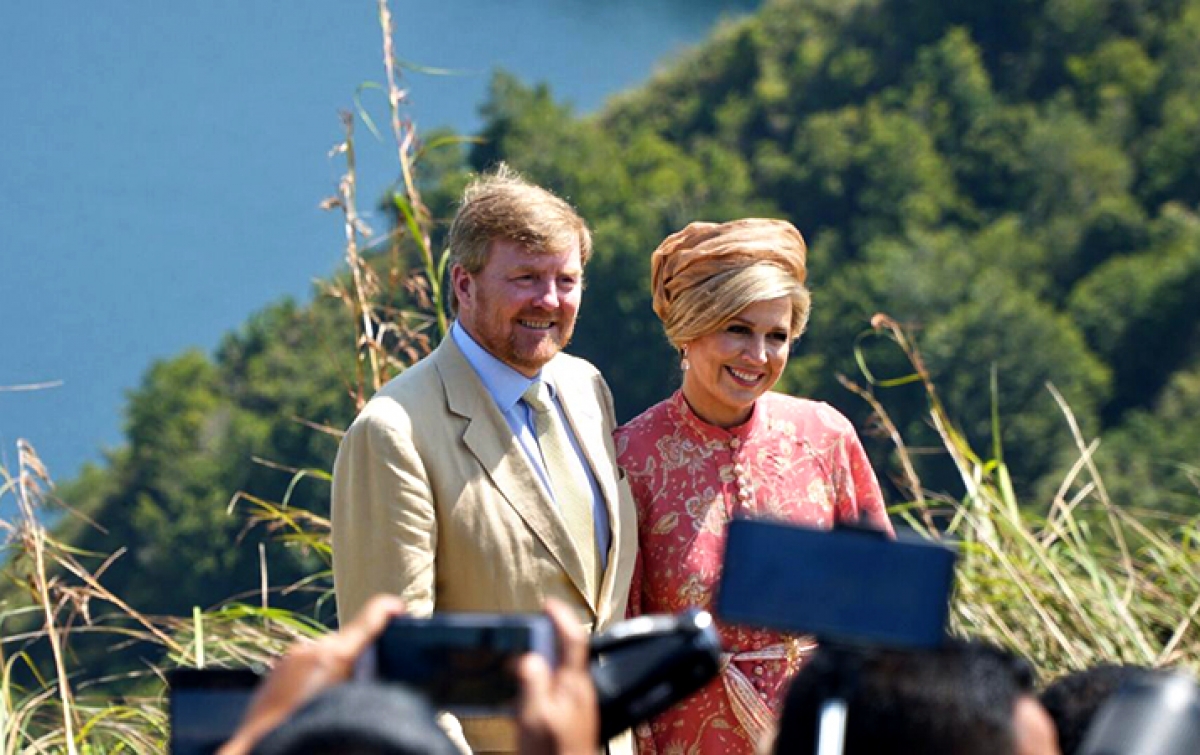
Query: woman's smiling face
point(730, 368)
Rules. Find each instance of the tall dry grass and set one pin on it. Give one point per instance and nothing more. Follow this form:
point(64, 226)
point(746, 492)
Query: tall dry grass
point(1087, 581)
point(66, 709)
point(388, 338)
point(59, 714)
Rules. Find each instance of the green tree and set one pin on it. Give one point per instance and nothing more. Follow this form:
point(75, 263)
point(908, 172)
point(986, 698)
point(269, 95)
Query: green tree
point(1139, 312)
point(1029, 345)
point(1151, 462)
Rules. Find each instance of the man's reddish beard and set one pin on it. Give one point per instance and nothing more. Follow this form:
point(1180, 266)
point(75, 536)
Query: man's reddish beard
point(556, 334)
point(486, 327)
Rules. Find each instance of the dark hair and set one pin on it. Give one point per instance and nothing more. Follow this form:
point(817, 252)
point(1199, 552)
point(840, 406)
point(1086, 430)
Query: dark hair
point(360, 718)
point(956, 700)
point(1073, 700)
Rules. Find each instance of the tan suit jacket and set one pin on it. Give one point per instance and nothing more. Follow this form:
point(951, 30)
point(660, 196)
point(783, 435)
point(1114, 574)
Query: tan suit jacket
point(435, 501)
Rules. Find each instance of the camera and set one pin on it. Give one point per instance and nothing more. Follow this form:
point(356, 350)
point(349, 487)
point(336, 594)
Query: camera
point(642, 666)
point(463, 662)
point(1156, 713)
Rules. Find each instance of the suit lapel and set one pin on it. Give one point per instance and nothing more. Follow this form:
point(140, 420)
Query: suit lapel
point(489, 438)
point(583, 412)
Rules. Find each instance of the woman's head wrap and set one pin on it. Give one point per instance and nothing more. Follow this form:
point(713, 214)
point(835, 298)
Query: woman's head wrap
point(703, 250)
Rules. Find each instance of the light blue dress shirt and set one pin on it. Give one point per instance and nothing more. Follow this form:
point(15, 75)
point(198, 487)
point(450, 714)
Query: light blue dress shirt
point(506, 386)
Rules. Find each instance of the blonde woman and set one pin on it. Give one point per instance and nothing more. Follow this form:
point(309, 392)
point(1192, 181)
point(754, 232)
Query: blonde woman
point(732, 299)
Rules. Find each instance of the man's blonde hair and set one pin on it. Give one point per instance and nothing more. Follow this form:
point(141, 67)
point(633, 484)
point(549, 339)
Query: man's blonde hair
point(500, 204)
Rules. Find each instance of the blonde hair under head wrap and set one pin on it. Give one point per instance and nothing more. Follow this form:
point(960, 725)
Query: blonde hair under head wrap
point(705, 274)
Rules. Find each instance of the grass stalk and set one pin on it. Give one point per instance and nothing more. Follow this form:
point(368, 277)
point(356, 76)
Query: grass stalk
point(29, 492)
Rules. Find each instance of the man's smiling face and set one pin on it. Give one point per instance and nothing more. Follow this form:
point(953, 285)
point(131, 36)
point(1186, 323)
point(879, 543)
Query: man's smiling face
point(522, 305)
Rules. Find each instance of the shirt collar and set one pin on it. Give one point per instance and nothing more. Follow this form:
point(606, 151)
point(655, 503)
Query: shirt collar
point(505, 384)
point(708, 431)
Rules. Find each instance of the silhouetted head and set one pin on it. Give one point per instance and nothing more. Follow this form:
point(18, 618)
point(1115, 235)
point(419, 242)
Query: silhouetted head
point(968, 698)
point(361, 718)
point(1072, 700)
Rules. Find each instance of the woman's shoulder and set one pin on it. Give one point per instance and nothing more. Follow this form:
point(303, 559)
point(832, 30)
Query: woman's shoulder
point(648, 421)
point(646, 427)
point(804, 413)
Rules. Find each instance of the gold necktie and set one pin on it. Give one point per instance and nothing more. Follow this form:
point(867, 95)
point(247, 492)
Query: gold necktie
point(573, 494)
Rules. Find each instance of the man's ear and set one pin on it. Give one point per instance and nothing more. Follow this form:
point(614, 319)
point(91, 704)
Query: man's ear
point(461, 282)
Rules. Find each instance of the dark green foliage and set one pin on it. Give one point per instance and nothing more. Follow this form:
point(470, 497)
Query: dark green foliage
point(1002, 327)
point(972, 170)
point(195, 428)
point(1154, 456)
point(1142, 312)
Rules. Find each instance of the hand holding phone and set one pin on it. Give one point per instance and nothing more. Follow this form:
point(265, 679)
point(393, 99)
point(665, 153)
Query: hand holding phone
point(558, 710)
point(308, 669)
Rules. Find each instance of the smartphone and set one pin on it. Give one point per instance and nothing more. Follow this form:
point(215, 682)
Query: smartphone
point(463, 662)
point(206, 706)
point(847, 585)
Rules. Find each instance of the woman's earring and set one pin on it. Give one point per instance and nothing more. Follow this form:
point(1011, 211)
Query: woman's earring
point(683, 363)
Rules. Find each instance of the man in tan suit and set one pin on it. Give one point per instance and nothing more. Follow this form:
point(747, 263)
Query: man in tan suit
point(445, 490)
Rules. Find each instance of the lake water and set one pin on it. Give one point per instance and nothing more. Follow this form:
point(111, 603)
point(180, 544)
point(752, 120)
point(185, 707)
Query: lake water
point(161, 165)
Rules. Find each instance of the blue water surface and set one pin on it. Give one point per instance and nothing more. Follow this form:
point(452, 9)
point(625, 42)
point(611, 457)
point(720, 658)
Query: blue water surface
point(161, 165)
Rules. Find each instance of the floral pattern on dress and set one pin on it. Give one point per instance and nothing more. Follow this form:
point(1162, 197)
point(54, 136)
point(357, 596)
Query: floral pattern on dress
point(794, 460)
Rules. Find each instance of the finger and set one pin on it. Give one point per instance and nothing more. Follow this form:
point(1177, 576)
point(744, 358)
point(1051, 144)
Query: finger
point(534, 675)
point(572, 638)
point(371, 620)
point(349, 643)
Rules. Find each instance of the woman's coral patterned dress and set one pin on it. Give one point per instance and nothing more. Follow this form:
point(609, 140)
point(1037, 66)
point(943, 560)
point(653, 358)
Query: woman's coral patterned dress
point(794, 460)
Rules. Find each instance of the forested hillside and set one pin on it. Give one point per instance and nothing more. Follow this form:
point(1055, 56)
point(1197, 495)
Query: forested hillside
point(1017, 182)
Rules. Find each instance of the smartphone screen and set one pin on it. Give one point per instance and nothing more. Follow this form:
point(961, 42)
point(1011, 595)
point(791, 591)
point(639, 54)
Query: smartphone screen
point(206, 707)
point(463, 662)
point(842, 585)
